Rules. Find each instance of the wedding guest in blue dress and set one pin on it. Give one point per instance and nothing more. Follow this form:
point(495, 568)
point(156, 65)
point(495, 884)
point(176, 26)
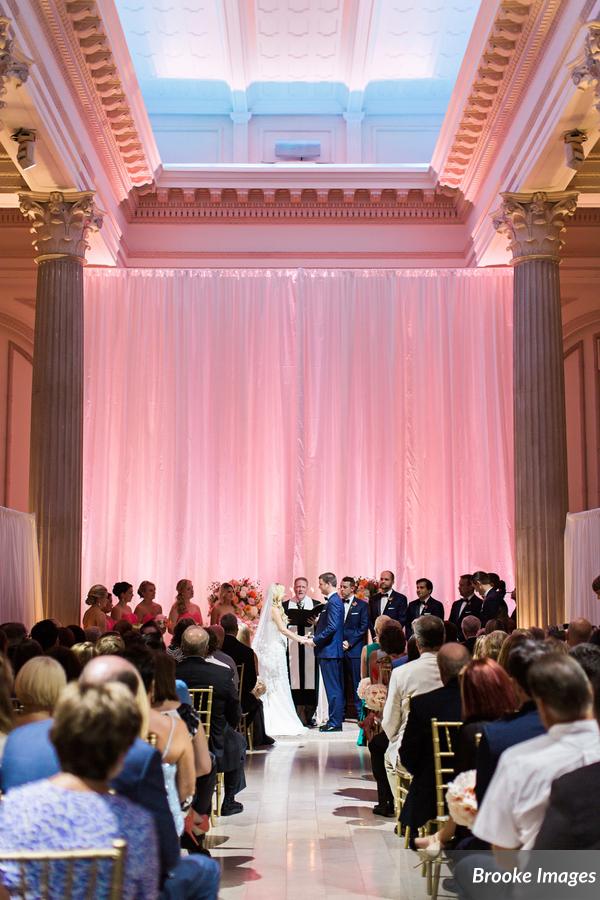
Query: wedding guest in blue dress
point(93, 729)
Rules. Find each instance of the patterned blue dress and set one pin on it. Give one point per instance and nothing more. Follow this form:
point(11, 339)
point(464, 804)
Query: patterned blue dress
point(43, 816)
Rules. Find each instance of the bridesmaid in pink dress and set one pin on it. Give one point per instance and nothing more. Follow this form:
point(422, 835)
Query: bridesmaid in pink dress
point(147, 609)
point(123, 591)
point(183, 606)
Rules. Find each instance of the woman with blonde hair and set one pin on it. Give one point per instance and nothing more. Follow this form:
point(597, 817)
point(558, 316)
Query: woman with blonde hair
point(224, 605)
point(98, 599)
point(489, 645)
point(38, 686)
point(84, 651)
point(147, 608)
point(183, 606)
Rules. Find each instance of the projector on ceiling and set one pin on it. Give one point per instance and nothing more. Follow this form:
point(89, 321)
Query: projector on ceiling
point(298, 150)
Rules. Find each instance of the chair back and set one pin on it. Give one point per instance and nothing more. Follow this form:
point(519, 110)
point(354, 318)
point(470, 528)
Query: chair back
point(444, 735)
point(152, 738)
point(202, 703)
point(79, 868)
point(240, 669)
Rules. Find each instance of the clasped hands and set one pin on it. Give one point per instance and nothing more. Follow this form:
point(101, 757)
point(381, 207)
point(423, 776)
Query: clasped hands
point(308, 642)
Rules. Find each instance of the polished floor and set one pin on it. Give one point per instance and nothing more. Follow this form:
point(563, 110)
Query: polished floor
point(307, 831)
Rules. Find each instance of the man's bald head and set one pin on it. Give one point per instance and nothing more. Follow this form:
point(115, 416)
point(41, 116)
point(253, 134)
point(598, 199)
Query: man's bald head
point(579, 632)
point(451, 658)
point(104, 669)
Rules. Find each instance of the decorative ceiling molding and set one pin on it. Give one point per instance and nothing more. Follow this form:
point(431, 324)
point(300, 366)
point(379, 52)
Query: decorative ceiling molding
point(393, 205)
point(10, 323)
point(517, 38)
point(10, 66)
point(11, 179)
point(75, 30)
point(11, 217)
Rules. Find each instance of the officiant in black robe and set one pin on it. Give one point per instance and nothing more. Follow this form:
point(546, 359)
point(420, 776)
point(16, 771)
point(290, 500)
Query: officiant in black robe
point(302, 668)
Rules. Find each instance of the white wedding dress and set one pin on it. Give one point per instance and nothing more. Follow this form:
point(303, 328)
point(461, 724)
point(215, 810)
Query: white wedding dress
point(270, 646)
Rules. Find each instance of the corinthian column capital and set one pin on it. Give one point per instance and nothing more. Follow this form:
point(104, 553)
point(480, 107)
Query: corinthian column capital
point(61, 223)
point(10, 66)
point(534, 223)
point(587, 73)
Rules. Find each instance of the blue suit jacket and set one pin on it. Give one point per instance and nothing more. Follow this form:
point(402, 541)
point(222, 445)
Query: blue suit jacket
point(496, 737)
point(329, 630)
point(355, 627)
point(29, 755)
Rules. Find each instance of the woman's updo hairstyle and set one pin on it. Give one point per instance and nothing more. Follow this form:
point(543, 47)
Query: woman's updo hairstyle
point(120, 588)
point(96, 593)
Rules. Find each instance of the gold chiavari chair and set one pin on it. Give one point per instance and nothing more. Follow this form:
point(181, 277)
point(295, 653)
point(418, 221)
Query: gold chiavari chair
point(443, 735)
point(402, 785)
point(152, 738)
point(243, 727)
point(71, 872)
point(202, 703)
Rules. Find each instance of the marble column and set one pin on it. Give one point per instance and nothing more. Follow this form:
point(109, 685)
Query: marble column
point(534, 224)
point(60, 224)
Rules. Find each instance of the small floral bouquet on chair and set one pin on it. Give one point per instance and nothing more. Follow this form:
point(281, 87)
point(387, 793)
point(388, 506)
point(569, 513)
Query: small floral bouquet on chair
point(374, 699)
point(461, 799)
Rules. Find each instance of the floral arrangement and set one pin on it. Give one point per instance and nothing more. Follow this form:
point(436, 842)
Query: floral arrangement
point(247, 600)
point(461, 799)
point(366, 587)
point(375, 697)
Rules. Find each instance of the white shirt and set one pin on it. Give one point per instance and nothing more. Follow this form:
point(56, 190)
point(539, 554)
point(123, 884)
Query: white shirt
point(514, 805)
point(347, 605)
point(416, 677)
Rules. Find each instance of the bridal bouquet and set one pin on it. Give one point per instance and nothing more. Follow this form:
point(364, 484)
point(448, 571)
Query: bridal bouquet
point(461, 799)
point(365, 587)
point(247, 600)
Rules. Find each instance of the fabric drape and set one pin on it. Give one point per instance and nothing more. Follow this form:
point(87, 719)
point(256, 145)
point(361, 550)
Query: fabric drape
point(20, 583)
point(280, 423)
point(582, 565)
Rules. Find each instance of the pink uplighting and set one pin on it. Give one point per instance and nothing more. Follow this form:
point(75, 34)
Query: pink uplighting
point(276, 423)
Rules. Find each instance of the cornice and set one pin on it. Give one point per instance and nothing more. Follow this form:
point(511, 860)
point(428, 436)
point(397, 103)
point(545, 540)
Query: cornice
point(517, 38)
point(76, 32)
point(159, 205)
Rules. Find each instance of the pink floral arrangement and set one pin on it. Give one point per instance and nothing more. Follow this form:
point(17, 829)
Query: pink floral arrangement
point(461, 799)
point(247, 600)
point(366, 587)
point(375, 697)
point(361, 690)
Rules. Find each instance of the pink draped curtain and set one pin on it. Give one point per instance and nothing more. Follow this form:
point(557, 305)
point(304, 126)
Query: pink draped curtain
point(277, 423)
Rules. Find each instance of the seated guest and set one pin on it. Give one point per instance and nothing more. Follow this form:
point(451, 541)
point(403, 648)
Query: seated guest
point(243, 655)
point(496, 737)
point(174, 648)
point(406, 681)
point(579, 632)
point(29, 756)
point(66, 637)
point(571, 822)
point(147, 608)
point(514, 805)
point(244, 635)
point(380, 623)
point(67, 659)
point(487, 694)
point(489, 645)
point(183, 608)
point(588, 657)
point(98, 600)
point(6, 707)
point(416, 749)
point(123, 591)
point(78, 633)
point(152, 634)
point(172, 738)
point(45, 633)
point(451, 632)
point(23, 652)
point(224, 741)
point(513, 640)
point(93, 634)
point(470, 626)
point(84, 651)
point(424, 605)
point(38, 686)
point(92, 731)
point(108, 644)
point(392, 647)
point(468, 604)
point(217, 655)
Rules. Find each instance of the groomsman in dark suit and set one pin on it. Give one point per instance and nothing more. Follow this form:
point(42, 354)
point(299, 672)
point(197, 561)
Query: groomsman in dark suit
point(356, 624)
point(387, 602)
point(493, 600)
point(424, 605)
point(469, 603)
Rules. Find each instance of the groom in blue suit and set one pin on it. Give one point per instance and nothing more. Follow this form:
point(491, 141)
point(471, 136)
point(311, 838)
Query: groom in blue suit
point(329, 650)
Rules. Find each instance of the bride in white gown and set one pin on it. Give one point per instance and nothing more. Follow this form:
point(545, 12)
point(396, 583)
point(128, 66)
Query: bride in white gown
point(270, 644)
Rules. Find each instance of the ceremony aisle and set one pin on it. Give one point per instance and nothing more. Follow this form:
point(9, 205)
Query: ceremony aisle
point(308, 832)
